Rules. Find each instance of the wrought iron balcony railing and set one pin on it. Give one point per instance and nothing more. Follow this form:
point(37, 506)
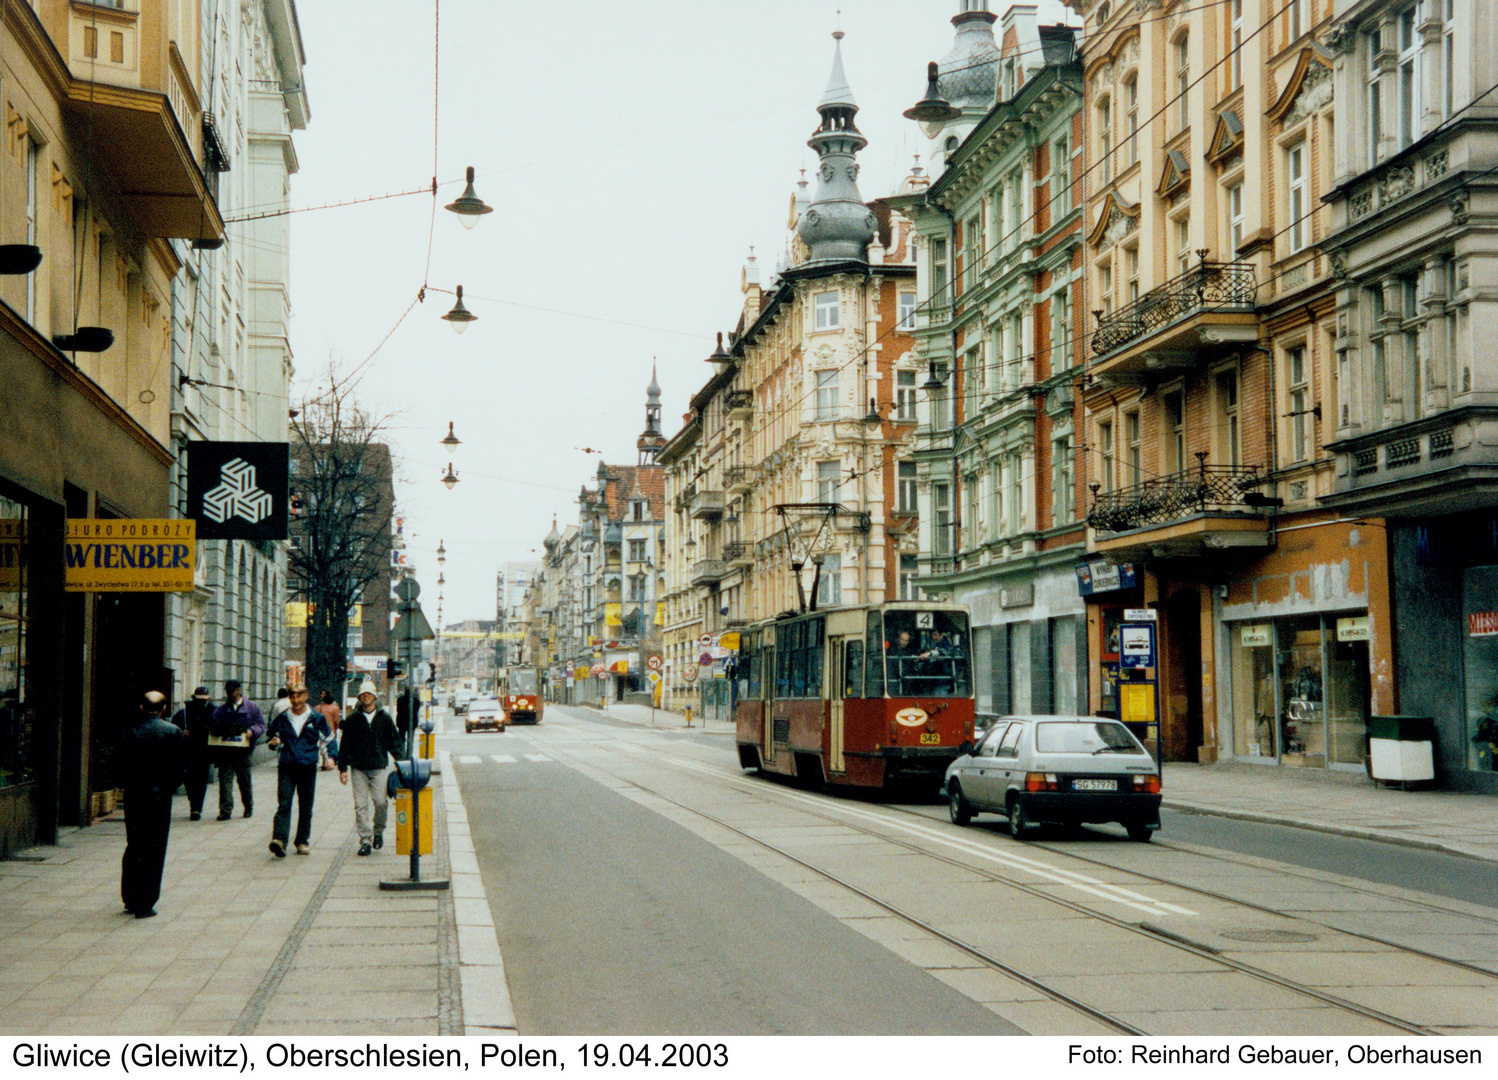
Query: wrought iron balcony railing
point(738, 477)
point(737, 400)
point(736, 551)
point(1209, 286)
point(1180, 495)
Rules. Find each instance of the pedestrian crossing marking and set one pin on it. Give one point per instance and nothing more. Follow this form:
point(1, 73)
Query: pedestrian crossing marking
point(502, 759)
point(469, 759)
point(536, 757)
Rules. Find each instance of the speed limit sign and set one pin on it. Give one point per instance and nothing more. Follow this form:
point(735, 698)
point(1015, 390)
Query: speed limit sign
point(654, 662)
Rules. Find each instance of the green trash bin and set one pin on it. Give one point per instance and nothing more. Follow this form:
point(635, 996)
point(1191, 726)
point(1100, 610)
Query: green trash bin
point(1402, 749)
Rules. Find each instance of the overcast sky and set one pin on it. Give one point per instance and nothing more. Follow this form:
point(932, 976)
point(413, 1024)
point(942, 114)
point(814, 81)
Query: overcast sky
point(632, 154)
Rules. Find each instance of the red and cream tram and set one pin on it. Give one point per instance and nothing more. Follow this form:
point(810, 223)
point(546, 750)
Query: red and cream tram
point(863, 696)
point(519, 693)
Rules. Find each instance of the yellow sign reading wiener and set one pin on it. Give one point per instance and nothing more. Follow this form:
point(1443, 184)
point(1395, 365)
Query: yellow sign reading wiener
point(129, 554)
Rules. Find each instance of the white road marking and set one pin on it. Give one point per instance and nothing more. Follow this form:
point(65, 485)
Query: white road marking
point(502, 759)
point(1070, 878)
point(469, 759)
point(537, 757)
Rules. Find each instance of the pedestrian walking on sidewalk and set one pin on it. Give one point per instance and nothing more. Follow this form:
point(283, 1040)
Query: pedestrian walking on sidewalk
point(150, 765)
point(194, 719)
point(298, 733)
point(334, 716)
point(365, 744)
point(236, 726)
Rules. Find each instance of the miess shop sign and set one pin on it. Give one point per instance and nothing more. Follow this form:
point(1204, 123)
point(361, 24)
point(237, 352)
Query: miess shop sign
point(129, 554)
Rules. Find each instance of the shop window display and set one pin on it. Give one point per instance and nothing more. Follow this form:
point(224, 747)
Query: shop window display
point(17, 719)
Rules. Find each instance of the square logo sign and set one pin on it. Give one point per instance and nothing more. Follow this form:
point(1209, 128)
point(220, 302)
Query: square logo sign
point(238, 490)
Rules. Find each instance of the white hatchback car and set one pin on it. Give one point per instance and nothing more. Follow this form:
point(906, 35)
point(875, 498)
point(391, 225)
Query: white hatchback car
point(1057, 769)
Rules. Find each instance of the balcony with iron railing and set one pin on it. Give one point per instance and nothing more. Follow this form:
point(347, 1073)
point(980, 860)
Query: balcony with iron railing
point(706, 505)
point(738, 553)
point(1209, 507)
point(739, 479)
point(1203, 311)
point(739, 403)
point(708, 571)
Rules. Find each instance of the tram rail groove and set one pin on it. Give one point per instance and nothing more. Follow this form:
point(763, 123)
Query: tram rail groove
point(1168, 940)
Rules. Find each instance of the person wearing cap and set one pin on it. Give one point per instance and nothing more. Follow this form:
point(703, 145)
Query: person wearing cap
point(367, 739)
point(193, 720)
point(237, 718)
point(298, 733)
point(150, 764)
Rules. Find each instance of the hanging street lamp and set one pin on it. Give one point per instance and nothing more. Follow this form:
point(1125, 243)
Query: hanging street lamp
point(459, 317)
point(451, 441)
point(441, 553)
point(933, 111)
point(450, 478)
point(468, 206)
point(720, 358)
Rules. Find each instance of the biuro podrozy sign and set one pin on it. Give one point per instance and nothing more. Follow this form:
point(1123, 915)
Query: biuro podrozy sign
point(129, 554)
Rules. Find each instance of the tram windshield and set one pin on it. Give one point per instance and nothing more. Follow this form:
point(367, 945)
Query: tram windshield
point(523, 681)
point(927, 653)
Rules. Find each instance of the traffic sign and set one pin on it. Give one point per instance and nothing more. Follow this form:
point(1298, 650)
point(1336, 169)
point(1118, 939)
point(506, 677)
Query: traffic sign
point(407, 589)
point(689, 674)
point(654, 662)
point(705, 660)
point(654, 677)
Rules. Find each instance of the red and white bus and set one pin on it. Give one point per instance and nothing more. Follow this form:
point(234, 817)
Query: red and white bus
point(861, 696)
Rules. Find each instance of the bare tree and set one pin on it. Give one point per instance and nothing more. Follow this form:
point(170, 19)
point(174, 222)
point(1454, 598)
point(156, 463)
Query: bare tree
point(341, 531)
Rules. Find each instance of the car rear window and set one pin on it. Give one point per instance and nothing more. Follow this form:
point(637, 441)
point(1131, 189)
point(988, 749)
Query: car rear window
point(1078, 737)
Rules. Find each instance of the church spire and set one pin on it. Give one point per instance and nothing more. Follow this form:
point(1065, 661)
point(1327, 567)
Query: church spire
point(837, 226)
point(651, 440)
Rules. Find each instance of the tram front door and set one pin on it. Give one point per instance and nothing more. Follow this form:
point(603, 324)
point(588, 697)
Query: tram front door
point(837, 687)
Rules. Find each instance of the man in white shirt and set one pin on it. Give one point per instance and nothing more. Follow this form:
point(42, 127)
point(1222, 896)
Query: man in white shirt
point(298, 733)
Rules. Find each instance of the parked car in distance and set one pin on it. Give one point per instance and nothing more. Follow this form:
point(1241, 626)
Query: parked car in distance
point(1067, 770)
point(484, 714)
point(461, 700)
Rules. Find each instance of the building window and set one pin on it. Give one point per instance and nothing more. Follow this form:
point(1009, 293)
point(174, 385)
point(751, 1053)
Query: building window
point(1413, 359)
point(909, 571)
point(1296, 164)
point(1375, 98)
point(996, 492)
point(1131, 117)
point(941, 519)
point(1135, 449)
point(1015, 186)
point(1448, 58)
point(637, 587)
point(1183, 244)
point(1380, 356)
point(830, 588)
point(1174, 407)
point(1227, 410)
point(827, 395)
point(1014, 360)
point(1409, 76)
point(905, 492)
point(1106, 470)
point(825, 305)
point(1183, 81)
point(637, 551)
point(1016, 497)
point(939, 270)
point(906, 319)
point(1131, 265)
point(1297, 19)
point(1063, 488)
point(1235, 219)
point(972, 363)
point(1061, 343)
point(1235, 62)
point(904, 395)
point(1060, 177)
point(1105, 140)
point(1105, 288)
point(1300, 394)
point(972, 525)
point(827, 481)
point(973, 253)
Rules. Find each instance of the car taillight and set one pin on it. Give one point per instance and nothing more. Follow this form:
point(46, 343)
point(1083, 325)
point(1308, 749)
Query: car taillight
point(1148, 783)
point(1037, 781)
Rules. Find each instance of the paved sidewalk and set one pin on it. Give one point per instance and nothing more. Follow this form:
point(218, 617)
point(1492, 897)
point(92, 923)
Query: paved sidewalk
point(1348, 804)
point(243, 942)
point(640, 714)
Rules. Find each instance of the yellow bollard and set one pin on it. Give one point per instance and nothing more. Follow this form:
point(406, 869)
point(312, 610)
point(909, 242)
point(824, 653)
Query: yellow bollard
point(689, 716)
point(428, 744)
point(403, 821)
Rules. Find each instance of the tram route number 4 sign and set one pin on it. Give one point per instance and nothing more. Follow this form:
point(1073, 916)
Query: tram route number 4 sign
point(654, 662)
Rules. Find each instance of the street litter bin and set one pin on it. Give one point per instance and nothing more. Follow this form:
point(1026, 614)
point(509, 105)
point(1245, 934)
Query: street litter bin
point(403, 821)
point(1402, 749)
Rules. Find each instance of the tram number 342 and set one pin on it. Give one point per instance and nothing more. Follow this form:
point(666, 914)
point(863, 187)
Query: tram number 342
point(667, 1055)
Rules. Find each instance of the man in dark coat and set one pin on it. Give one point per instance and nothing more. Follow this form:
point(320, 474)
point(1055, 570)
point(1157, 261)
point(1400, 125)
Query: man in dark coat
point(298, 733)
point(194, 718)
point(237, 718)
point(365, 747)
point(150, 765)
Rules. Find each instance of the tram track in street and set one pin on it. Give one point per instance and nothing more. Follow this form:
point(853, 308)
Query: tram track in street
point(1145, 930)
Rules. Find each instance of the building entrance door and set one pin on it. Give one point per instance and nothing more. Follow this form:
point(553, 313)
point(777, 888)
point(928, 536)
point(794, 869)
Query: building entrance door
point(1182, 698)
